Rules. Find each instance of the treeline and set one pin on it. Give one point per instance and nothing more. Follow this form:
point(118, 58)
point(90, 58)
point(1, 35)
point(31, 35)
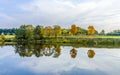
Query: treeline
point(114, 33)
point(30, 32)
point(75, 30)
point(8, 31)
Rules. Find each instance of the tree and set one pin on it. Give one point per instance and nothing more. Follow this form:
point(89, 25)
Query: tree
point(8, 31)
point(20, 32)
point(74, 29)
point(57, 30)
point(81, 31)
point(48, 31)
point(64, 32)
point(25, 32)
point(29, 32)
point(38, 32)
point(91, 30)
point(102, 32)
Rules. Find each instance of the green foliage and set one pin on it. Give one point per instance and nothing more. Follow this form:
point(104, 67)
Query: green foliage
point(20, 32)
point(81, 31)
point(29, 31)
point(7, 31)
point(48, 31)
point(57, 30)
point(25, 32)
point(38, 32)
point(102, 32)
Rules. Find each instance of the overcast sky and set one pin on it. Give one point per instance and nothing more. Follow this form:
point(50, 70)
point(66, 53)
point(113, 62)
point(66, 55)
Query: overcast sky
point(103, 14)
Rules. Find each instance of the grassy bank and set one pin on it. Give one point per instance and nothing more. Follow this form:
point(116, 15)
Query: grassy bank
point(86, 36)
point(68, 39)
point(84, 41)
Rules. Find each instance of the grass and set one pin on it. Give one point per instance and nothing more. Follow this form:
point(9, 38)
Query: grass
point(9, 36)
point(88, 36)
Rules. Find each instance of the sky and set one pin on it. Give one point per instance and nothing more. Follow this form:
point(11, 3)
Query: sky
point(102, 14)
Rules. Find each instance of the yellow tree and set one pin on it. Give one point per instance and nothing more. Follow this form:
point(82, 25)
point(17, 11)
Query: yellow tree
point(74, 29)
point(91, 30)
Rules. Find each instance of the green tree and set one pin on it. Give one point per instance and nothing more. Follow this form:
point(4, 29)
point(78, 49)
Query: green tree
point(102, 32)
point(57, 30)
point(29, 32)
point(81, 31)
point(48, 31)
point(64, 32)
point(38, 32)
point(20, 32)
point(25, 32)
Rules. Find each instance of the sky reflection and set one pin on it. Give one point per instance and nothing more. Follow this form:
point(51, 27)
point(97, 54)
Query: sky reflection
point(104, 62)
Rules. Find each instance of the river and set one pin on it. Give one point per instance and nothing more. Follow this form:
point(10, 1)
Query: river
point(59, 60)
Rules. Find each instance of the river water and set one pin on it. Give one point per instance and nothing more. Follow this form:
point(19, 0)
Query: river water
point(62, 60)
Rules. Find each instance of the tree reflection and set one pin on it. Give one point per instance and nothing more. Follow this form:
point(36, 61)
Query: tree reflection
point(91, 53)
point(28, 50)
point(38, 50)
point(73, 53)
point(48, 51)
point(57, 51)
point(2, 43)
point(24, 50)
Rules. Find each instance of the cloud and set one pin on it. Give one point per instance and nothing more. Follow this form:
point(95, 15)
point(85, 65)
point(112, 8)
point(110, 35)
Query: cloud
point(6, 20)
point(99, 13)
point(103, 14)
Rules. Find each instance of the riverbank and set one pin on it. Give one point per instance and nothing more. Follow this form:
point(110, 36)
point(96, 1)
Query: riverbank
point(68, 39)
point(12, 37)
point(83, 41)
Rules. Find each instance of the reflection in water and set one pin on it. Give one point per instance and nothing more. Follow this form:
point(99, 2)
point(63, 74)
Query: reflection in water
point(2, 44)
point(38, 50)
point(57, 51)
point(63, 65)
point(91, 53)
point(73, 53)
point(27, 50)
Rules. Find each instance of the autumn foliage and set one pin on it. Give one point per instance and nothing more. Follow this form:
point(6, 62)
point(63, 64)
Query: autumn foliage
point(91, 30)
point(74, 29)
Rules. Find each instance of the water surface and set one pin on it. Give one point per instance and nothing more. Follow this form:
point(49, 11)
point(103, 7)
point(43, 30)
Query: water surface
point(60, 60)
